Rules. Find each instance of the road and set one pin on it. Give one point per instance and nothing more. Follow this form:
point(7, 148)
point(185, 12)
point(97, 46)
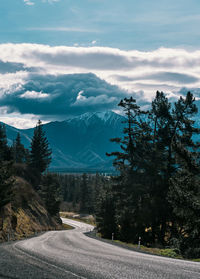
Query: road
point(71, 254)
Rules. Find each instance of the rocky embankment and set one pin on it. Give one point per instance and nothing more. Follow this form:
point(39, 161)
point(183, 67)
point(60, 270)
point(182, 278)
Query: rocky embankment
point(26, 214)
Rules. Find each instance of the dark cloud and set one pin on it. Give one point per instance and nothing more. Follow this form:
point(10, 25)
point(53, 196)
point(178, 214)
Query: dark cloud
point(175, 77)
point(8, 67)
point(11, 67)
point(91, 61)
point(51, 95)
point(99, 60)
point(161, 76)
point(107, 59)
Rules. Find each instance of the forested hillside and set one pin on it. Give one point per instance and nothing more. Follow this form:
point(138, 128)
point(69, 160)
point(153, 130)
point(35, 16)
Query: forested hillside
point(80, 193)
point(156, 196)
point(29, 199)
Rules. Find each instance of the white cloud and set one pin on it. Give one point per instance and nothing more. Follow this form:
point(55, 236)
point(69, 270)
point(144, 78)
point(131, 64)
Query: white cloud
point(50, 1)
point(18, 120)
point(80, 96)
point(163, 69)
point(29, 2)
point(64, 29)
point(130, 70)
point(93, 101)
point(82, 100)
point(21, 122)
point(34, 95)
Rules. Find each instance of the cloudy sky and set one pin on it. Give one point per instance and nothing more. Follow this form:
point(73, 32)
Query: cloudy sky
point(65, 57)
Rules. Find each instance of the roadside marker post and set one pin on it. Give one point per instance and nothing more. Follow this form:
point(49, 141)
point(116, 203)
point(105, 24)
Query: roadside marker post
point(139, 242)
point(112, 236)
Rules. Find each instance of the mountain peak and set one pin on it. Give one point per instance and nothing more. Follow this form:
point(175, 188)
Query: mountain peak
point(106, 116)
point(79, 142)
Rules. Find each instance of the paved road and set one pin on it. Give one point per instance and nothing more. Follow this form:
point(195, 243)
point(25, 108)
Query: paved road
point(71, 254)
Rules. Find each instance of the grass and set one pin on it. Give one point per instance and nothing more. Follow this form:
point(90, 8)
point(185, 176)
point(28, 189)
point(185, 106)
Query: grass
point(150, 250)
point(67, 227)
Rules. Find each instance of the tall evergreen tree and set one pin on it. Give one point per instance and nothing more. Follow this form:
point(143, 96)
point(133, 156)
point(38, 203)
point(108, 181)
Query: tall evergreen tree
point(86, 195)
point(184, 130)
point(5, 169)
point(50, 193)
point(184, 190)
point(184, 197)
point(128, 188)
point(5, 151)
point(105, 211)
point(158, 153)
point(40, 154)
point(20, 154)
point(5, 183)
point(160, 166)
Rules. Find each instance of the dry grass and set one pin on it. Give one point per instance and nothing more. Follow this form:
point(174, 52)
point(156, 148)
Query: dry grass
point(25, 215)
point(156, 251)
point(67, 227)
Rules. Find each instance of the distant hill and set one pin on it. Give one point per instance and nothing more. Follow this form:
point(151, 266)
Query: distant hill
point(79, 142)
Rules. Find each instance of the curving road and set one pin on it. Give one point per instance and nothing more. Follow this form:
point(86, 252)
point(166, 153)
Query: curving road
point(71, 254)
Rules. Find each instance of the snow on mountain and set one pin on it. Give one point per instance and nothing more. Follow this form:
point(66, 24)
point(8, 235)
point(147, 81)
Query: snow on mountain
point(89, 117)
point(79, 142)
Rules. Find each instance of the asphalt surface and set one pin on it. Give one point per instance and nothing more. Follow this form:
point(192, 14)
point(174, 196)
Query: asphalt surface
point(71, 254)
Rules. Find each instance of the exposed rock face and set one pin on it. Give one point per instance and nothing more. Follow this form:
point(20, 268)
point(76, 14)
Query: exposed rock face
point(26, 214)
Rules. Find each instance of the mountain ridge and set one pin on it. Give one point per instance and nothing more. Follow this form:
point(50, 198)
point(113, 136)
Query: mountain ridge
point(79, 142)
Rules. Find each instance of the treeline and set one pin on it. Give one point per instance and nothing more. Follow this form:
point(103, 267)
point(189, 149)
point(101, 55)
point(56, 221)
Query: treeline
point(80, 193)
point(16, 160)
point(156, 195)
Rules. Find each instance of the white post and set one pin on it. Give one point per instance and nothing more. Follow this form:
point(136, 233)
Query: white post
point(112, 236)
point(139, 242)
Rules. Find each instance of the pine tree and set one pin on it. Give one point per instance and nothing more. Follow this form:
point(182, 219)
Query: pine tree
point(86, 195)
point(128, 188)
point(160, 167)
point(50, 193)
point(184, 197)
point(5, 151)
point(40, 154)
point(184, 130)
point(5, 183)
point(157, 147)
point(20, 154)
point(184, 190)
point(105, 211)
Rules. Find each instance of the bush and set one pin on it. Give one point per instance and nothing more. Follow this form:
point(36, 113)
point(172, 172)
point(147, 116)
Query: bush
point(168, 253)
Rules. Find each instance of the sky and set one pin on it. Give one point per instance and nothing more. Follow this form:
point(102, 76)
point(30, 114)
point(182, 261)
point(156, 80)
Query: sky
point(60, 58)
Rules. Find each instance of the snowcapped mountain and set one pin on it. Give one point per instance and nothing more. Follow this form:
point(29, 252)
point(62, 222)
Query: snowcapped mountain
point(80, 142)
point(108, 117)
